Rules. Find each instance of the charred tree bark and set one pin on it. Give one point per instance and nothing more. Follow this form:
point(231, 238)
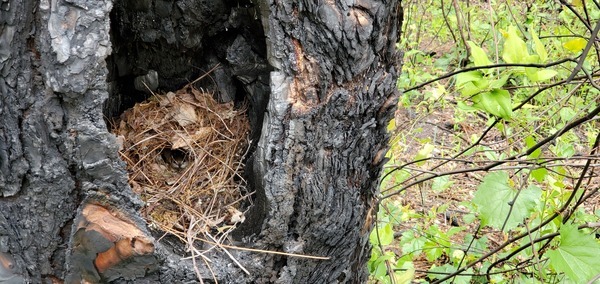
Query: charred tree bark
point(320, 81)
point(321, 149)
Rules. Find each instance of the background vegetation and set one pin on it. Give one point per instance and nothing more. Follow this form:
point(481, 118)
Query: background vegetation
point(493, 171)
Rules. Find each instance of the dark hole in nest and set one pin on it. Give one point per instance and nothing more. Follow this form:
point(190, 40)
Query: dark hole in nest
point(176, 158)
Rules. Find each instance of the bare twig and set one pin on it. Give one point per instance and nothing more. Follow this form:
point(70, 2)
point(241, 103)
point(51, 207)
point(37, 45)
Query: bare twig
point(468, 69)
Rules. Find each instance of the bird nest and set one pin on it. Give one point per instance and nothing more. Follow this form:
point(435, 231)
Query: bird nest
point(184, 153)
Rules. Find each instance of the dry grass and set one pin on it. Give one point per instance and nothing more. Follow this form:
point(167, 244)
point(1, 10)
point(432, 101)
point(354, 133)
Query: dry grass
point(184, 154)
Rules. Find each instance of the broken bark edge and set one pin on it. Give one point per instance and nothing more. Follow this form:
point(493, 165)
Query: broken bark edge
point(106, 246)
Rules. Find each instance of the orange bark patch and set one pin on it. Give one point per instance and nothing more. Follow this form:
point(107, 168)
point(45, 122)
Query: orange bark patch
point(303, 92)
point(129, 240)
point(299, 55)
point(360, 17)
point(7, 266)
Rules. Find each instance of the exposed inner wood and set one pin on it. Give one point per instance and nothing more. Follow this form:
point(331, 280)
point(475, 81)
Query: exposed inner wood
point(128, 240)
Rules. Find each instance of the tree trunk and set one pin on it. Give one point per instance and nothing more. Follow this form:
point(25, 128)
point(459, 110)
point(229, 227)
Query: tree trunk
point(319, 77)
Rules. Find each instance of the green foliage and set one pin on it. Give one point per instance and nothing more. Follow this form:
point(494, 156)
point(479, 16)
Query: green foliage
point(575, 45)
point(495, 199)
point(382, 236)
point(383, 260)
point(515, 49)
point(577, 255)
point(479, 56)
point(487, 179)
point(441, 183)
point(496, 102)
point(486, 89)
point(540, 50)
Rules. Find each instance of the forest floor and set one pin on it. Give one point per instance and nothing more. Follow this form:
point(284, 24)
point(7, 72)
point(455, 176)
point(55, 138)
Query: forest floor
point(439, 127)
point(429, 124)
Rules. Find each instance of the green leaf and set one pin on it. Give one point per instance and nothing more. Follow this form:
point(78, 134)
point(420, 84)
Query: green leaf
point(461, 105)
point(469, 218)
point(531, 73)
point(466, 77)
point(531, 59)
point(496, 102)
point(424, 153)
point(529, 199)
point(470, 83)
point(499, 83)
point(538, 46)
point(469, 89)
point(400, 176)
point(566, 114)
point(478, 245)
point(545, 74)
point(386, 235)
point(479, 56)
point(530, 142)
point(405, 277)
point(405, 262)
point(539, 174)
point(441, 183)
point(432, 250)
point(575, 45)
point(493, 198)
point(411, 243)
point(378, 267)
point(391, 126)
point(457, 255)
point(577, 255)
point(564, 149)
point(537, 75)
point(515, 49)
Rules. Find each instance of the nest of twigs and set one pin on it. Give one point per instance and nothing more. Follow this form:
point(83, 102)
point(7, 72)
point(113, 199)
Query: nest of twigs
point(184, 153)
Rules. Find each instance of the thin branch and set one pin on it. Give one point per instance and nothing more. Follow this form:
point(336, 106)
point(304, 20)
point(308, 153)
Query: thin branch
point(520, 236)
point(581, 19)
point(445, 16)
point(473, 68)
point(585, 52)
point(582, 177)
point(503, 245)
point(459, 24)
point(544, 141)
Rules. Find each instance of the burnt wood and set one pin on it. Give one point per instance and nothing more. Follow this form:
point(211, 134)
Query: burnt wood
point(318, 77)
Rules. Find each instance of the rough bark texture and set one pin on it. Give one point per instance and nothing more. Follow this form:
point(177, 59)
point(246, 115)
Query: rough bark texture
point(320, 152)
point(56, 154)
point(330, 87)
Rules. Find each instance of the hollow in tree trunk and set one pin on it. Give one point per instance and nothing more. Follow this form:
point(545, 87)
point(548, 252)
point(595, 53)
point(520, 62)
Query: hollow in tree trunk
point(319, 78)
